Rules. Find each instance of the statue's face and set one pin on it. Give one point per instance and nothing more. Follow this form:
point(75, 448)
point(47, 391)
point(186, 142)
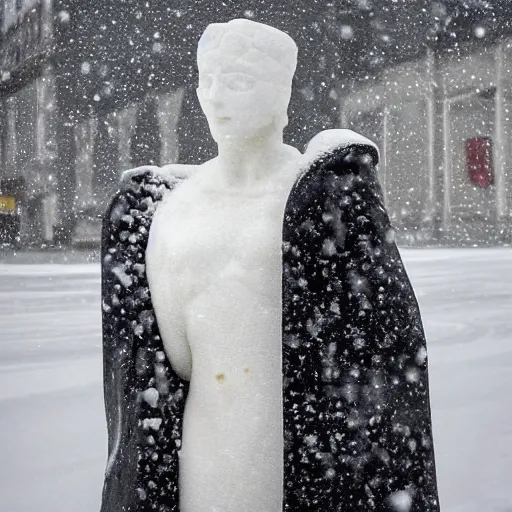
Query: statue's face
point(238, 102)
point(245, 76)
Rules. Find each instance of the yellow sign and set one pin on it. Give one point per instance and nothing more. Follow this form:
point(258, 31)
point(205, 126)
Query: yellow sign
point(7, 204)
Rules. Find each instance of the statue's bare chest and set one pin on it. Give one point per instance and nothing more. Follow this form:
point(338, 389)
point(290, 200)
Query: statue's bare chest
point(214, 235)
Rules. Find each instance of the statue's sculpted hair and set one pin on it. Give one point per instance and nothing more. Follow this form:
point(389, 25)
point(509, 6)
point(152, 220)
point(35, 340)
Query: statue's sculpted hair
point(259, 49)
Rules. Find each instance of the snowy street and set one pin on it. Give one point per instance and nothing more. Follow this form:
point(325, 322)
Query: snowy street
point(52, 428)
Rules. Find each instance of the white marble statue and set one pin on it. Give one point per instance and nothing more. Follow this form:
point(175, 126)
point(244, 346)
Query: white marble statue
point(214, 270)
point(286, 370)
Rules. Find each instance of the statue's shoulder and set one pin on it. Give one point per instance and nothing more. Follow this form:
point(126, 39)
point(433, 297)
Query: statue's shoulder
point(140, 192)
point(168, 174)
point(330, 144)
point(342, 152)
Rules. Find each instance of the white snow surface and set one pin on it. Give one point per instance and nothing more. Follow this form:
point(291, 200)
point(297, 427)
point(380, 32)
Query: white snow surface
point(167, 172)
point(52, 427)
point(326, 141)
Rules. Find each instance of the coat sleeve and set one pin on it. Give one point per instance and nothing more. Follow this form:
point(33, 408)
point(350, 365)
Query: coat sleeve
point(378, 364)
point(144, 398)
point(118, 366)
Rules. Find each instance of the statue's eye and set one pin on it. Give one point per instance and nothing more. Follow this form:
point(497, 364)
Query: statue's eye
point(239, 81)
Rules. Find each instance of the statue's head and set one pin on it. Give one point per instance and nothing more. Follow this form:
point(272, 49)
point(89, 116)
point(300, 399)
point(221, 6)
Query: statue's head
point(245, 78)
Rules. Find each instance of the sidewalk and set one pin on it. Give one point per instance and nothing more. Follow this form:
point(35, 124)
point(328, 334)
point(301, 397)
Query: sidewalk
point(42, 257)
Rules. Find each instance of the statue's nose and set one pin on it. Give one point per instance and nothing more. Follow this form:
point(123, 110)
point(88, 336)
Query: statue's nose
point(217, 102)
point(216, 92)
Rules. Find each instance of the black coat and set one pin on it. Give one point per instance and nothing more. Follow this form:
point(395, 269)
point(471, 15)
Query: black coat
point(357, 426)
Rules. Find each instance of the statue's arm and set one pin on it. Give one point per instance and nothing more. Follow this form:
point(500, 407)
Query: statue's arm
point(168, 309)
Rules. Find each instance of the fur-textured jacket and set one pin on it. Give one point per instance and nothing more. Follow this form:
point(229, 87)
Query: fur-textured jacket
point(357, 424)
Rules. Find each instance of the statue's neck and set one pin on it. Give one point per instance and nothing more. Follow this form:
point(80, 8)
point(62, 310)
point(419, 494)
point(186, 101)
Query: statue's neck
point(242, 163)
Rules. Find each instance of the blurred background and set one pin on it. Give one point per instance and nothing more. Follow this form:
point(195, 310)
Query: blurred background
point(90, 88)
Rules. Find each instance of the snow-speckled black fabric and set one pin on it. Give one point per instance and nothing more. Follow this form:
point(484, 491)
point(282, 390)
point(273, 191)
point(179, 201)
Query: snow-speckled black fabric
point(356, 401)
point(144, 398)
point(357, 427)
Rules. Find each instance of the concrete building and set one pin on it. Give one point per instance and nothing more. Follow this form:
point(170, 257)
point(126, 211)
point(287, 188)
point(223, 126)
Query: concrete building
point(444, 126)
point(65, 137)
point(27, 114)
point(79, 104)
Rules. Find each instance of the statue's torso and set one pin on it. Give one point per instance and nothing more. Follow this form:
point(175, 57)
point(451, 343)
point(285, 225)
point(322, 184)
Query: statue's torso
point(223, 279)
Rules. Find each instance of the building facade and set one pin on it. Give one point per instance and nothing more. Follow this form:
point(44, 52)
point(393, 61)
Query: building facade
point(444, 127)
point(27, 114)
point(107, 145)
point(79, 105)
point(76, 110)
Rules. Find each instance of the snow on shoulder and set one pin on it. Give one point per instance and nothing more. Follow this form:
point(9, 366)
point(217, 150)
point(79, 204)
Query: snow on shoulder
point(168, 172)
point(328, 141)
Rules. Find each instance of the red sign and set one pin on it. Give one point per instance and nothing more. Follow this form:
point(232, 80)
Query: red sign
point(479, 161)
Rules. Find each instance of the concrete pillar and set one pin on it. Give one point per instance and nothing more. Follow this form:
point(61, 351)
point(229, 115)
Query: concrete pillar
point(168, 115)
point(430, 203)
point(47, 20)
point(443, 166)
point(11, 139)
point(384, 153)
point(84, 136)
point(501, 141)
point(126, 120)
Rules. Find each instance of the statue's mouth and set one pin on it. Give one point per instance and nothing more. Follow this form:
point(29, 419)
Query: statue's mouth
point(223, 118)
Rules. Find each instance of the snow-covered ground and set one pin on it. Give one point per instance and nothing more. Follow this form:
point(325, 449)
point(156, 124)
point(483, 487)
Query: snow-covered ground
point(52, 433)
